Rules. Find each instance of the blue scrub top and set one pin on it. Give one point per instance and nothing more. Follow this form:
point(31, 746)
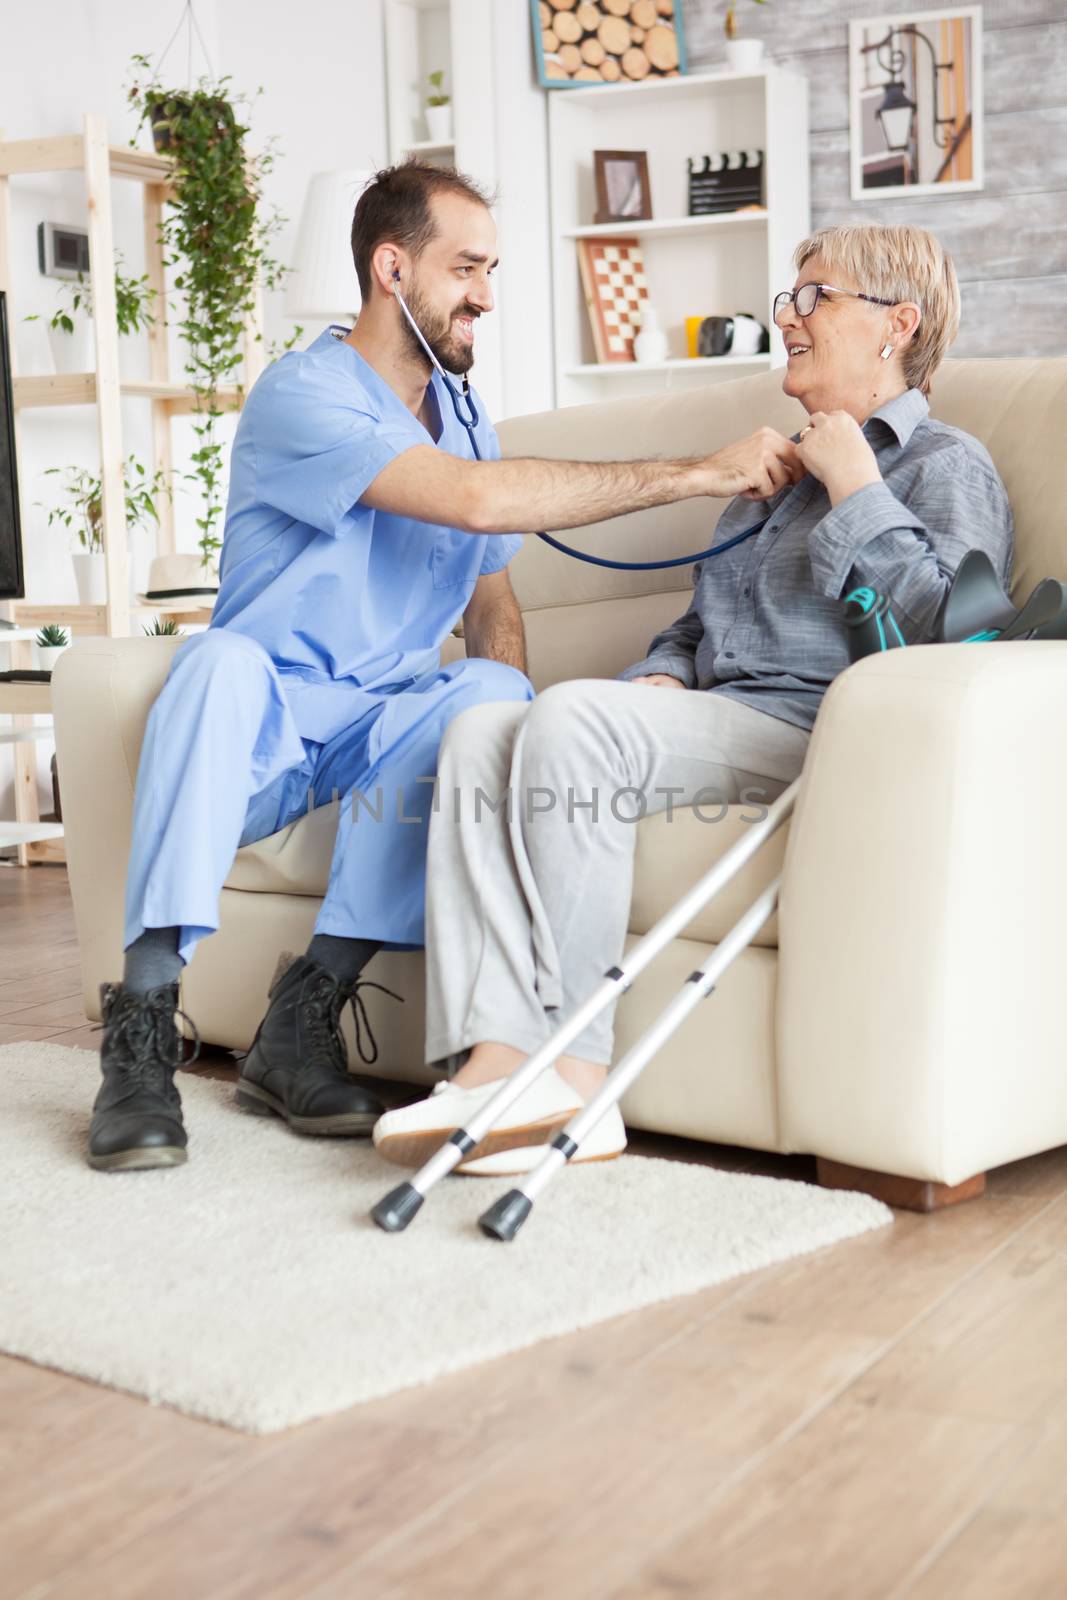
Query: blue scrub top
point(343, 598)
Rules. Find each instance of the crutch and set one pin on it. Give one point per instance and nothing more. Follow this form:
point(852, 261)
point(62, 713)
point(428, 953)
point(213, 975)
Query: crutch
point(506, 1216)
point(396, 1209)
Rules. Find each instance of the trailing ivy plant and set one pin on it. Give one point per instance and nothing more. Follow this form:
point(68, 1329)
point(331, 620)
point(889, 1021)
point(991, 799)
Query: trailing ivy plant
point(216, 232)
point(82, 511)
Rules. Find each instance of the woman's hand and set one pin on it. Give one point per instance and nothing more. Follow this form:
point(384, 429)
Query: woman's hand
point(832, 448)
point(660, 680)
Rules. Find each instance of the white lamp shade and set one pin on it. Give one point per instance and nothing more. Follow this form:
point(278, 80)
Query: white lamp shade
point(323, 282)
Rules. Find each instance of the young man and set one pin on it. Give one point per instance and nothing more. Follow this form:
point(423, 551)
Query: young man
point(359, 528)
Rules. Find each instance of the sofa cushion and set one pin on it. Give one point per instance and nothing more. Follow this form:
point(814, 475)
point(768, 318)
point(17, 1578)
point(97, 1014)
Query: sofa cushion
point(670, 857)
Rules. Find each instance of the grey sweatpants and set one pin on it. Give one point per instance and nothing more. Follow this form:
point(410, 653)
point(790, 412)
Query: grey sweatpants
point(531, 844)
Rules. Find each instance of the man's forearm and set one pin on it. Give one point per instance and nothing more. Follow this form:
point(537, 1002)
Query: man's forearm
point(496, 634)
point(527, 494)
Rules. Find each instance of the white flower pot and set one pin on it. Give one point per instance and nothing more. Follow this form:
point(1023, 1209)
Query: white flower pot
point(73, 352)
point(744, 55)
point(48, 654)
point(439, 124)
point(91, 577)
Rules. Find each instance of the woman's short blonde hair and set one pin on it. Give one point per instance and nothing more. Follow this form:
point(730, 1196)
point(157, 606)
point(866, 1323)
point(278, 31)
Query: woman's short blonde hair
point(897, 264)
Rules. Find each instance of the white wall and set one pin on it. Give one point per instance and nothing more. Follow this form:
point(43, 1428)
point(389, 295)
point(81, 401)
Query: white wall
point(320, 65)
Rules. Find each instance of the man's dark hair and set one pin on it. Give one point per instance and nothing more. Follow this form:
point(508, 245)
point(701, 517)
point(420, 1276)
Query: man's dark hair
point(395, 205)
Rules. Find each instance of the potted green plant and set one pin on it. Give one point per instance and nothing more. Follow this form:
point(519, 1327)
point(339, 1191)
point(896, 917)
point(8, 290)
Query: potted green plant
point(51, 642)
point(70, 327)
point(216, 233)
point(162, 627)
point(742, 55)
point(438, 110)
point(82, 512)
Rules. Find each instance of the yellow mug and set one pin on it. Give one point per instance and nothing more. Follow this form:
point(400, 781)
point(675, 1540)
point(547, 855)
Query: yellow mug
point(692, 329)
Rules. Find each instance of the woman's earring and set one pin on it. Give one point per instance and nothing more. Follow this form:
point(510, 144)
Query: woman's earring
point(886, 352)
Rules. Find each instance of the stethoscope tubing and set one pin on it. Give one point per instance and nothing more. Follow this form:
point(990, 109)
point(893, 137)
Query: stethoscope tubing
point(470, 423)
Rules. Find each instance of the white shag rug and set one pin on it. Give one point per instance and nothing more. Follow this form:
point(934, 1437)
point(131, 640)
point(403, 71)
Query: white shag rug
point(250, 1287)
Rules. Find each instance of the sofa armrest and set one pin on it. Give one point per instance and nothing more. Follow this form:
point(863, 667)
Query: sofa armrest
point(920, 1016)
point(102, 693)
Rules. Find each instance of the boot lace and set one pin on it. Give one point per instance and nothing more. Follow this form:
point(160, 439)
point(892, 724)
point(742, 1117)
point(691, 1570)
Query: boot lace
point(144, 1031)
point(323, 998)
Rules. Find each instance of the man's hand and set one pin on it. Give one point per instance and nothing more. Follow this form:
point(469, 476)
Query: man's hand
point(832, 448)
point(756, 467)
point(660, 680)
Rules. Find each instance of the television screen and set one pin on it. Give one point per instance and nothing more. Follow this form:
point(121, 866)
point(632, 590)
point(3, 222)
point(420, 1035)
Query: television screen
point(11, 580)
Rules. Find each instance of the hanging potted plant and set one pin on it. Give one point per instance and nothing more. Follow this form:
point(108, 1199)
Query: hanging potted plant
point(82, 512)
point(742, 55)
point(215, 233)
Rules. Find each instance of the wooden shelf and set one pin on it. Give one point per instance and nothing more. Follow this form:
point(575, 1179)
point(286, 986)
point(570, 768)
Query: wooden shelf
point(79, 388)
point(67, 154)
point(694, 364)
point(668, 227)
point(25, 700)
point(429, 147)
point(87, 619)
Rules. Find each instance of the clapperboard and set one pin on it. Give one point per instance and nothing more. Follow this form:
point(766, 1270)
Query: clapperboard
point(725, 181)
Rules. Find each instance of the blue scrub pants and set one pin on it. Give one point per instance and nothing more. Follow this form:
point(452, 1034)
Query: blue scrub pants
point(224, 763)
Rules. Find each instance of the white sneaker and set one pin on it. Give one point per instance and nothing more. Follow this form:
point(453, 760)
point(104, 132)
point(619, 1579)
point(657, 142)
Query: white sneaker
point(603, 1143)
point(410, 1135)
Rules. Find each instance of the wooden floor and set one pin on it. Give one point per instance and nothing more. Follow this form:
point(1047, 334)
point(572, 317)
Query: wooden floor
point(886, 1419)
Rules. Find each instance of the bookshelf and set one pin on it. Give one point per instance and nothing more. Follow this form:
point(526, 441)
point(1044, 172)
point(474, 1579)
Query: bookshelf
point(695, 266)
point(104, 388)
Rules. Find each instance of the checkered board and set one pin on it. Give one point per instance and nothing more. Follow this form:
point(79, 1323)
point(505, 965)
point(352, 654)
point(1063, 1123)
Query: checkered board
point(616, 293)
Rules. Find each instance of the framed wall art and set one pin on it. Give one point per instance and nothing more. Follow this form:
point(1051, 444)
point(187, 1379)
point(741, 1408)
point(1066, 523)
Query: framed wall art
point(622, 188)
point(915, 102)
point(577, 42)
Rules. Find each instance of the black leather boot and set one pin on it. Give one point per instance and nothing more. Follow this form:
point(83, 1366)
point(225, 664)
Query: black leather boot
point(297, 1066)
point(137, 1114)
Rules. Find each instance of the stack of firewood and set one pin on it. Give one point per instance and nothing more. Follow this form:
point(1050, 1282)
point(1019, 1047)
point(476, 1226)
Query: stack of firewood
point(603, 41)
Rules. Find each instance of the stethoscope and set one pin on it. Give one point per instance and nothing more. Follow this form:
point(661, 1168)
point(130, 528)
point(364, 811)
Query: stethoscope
point(463, 400)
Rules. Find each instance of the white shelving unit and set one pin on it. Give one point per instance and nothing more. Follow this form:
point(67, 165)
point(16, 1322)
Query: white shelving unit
point(696, 266)
point(424, 36)
point(418, 41)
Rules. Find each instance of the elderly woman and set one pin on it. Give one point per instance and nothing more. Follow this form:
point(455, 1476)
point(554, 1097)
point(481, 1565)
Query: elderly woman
point(528, 904)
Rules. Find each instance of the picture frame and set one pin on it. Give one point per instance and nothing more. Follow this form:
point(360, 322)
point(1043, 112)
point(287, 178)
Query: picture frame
point(916, 103)
point(582, 42)
point(12, 577)
point(623, 192)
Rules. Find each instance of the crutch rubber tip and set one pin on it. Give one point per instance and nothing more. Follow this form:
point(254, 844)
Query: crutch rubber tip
point(395, 1211)
point(504, 1219)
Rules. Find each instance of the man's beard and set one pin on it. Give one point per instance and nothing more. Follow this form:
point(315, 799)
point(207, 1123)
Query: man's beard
point(454, 354)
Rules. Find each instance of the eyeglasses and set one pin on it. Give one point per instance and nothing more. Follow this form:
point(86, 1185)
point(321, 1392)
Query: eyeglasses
point(807, 297)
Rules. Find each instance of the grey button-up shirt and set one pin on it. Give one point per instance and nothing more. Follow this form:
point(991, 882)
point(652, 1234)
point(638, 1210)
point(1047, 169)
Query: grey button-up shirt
point(765, 625)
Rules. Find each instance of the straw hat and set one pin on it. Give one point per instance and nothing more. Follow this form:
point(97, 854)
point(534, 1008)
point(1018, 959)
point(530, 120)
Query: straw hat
point(181, 577)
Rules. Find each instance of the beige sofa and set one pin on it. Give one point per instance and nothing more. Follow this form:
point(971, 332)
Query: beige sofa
point(903, 1013)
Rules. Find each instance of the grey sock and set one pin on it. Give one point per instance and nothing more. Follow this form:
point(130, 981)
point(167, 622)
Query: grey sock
point(153, 960)
point(345, 958)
